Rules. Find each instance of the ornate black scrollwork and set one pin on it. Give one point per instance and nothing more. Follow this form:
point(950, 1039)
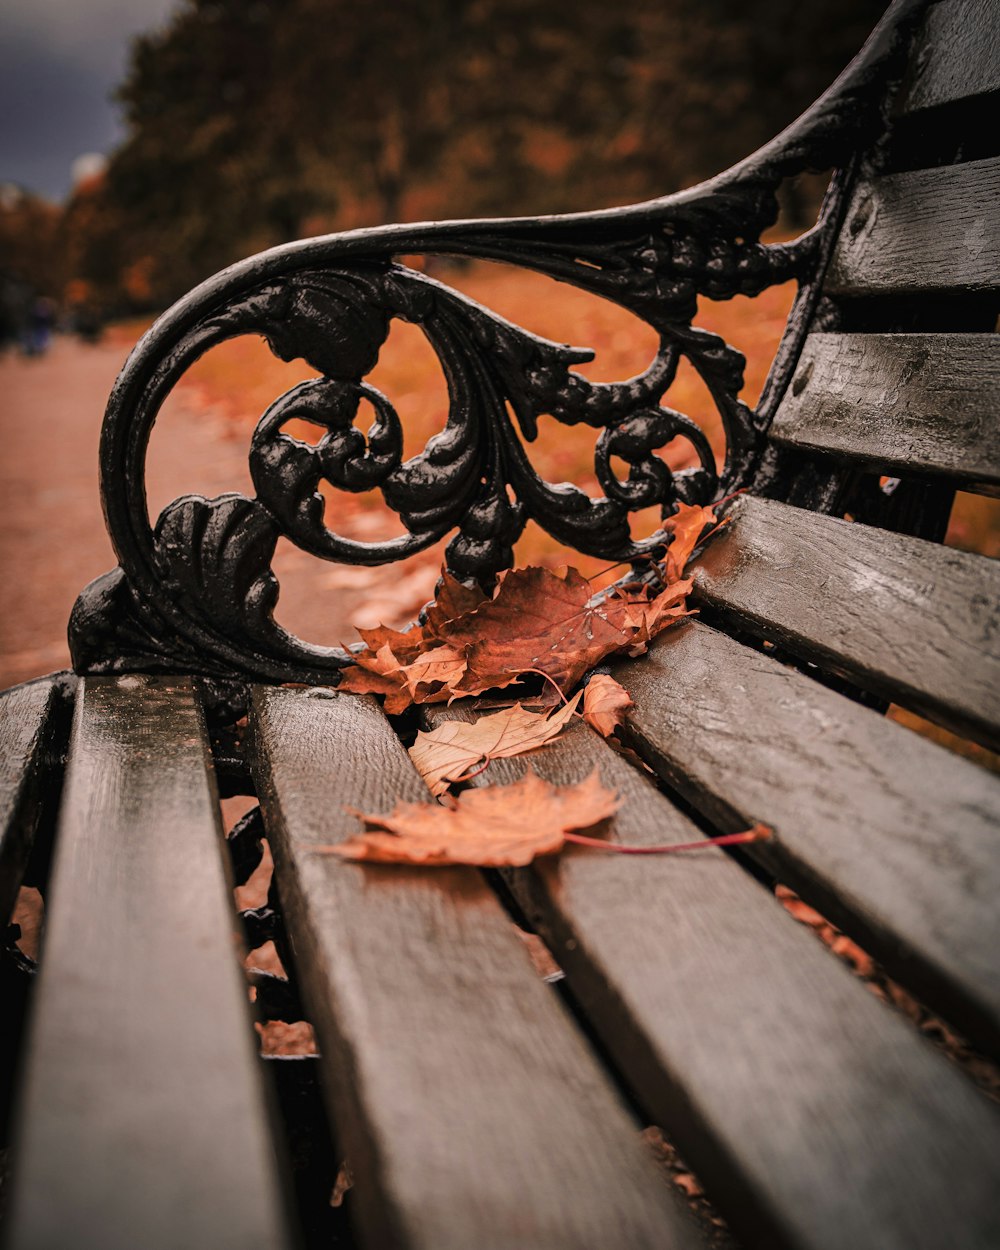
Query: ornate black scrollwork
point(196, 591)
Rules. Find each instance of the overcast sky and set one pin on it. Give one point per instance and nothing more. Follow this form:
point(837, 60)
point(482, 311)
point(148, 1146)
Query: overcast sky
point(60, 61)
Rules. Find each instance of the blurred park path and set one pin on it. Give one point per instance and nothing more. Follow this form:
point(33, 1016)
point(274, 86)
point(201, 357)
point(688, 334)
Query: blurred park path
point(52, 535)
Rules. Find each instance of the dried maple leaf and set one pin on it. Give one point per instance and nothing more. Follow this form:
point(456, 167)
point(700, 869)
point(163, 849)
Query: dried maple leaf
point(686, 525)
point(378, 672)
point(605, 703)
point(452, 599)
point(457, 748)
point(496, 826)
point(648, 616)
point(433, 674)
point(538, 620)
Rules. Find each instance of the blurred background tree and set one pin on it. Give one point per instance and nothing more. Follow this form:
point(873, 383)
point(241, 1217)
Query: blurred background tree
point(250, 122)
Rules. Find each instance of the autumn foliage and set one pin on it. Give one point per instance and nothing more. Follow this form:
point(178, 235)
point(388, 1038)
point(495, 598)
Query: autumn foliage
point(537, 623)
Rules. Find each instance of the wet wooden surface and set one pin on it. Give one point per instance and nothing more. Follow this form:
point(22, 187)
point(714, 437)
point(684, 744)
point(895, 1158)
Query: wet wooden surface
point(471, 1109)
point(957, 55)
point(890, 836)
point(26, 714)
point(915, 621)
point(899, 403)
point(143, 1120)
point(932, 230)
point(783, 1082)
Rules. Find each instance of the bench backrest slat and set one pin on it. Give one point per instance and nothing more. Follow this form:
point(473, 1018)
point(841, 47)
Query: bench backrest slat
point(957, 54)
point(925, 230)
point(899, 404)
point(143, 1121)
point(469, 1107)
point(908, 619)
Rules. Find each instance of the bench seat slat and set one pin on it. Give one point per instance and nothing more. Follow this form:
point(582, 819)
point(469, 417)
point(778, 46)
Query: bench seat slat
point(899, 615)
point(902, 403)
point(957, 54)
point(26, 720)
point(747, 1041)
point(891, 836)
point(469, 1107)
point(143, 1120)
point(928, 230)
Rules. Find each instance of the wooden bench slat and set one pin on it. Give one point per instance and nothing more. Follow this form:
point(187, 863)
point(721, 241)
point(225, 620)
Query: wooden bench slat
point(903, 403)
point(957, 54)
point(761, 1057)
point(891, 836)
point(929, 230)
point(470, 1109)
point(143, 1121)
point(910, 619)
point(26, 718)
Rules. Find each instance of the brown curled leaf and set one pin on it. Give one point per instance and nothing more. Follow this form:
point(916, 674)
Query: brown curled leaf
point(457, 748)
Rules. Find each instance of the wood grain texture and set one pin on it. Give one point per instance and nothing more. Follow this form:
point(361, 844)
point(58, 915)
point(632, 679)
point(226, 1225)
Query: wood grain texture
point(890, 836)
point(929, 230)
point(143, 1121)
point(910, 619)
point(957, 55)
point(26, 715)
point(788, 1088)
point(470, 1109)
point(901, 403)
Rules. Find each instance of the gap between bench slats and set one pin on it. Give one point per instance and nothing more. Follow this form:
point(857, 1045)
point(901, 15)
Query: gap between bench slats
point(27, 715)
point(470, 1110)
point(929, 230)
point(892, 837)
point(143, 1120)
point(957, 54)
point(816, 1117)
point(909, 619)
point(902, 403)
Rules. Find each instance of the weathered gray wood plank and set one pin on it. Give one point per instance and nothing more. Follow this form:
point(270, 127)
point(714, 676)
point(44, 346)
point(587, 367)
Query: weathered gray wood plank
point(903, 403)
point(891, 836)
point(26, 715)
point(143, 1118)
point(783, 1082)
point(910, 619)
point(926, 230)
point(957, 54)
point(468, 1105)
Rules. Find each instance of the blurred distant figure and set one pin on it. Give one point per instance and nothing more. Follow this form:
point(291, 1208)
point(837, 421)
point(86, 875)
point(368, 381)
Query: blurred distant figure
point(37, 331)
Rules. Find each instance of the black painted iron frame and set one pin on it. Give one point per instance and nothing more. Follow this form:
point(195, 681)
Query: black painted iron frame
point(196, 592)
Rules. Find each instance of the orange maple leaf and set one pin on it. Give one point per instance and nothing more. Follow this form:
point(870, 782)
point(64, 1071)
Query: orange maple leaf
point(605, 703)
point(496, 826)
point(457, 749)
point(686, 525)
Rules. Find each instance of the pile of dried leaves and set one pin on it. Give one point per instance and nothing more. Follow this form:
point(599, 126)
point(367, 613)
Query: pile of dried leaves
point(537, 622)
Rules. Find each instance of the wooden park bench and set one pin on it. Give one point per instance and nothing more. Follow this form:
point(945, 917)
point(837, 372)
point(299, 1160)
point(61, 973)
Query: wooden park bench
point(475, 1103)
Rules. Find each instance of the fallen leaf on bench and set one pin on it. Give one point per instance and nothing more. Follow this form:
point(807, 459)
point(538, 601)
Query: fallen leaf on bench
point(496, 826)
point(504, 827)
point(458, 749)
point(687, 525)
point(538, 620)
point(605, 703)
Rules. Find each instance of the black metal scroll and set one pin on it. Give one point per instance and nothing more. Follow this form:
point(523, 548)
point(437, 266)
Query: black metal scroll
point(196, 592)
